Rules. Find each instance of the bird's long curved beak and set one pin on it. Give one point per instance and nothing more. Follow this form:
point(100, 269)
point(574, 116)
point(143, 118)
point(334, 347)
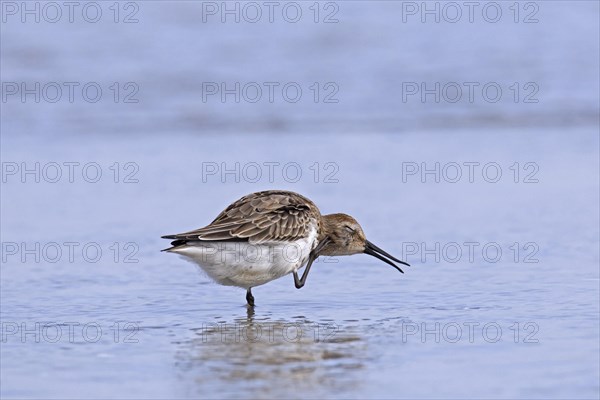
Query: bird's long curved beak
point(375, 251)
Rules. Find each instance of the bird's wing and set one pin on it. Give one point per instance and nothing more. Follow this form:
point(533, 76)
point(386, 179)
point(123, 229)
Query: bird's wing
point(261, 217)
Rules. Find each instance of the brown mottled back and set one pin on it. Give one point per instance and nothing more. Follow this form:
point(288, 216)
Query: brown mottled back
point(268, 216)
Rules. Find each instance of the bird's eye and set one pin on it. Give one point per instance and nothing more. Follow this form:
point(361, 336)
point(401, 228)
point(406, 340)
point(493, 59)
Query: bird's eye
point(349, 229)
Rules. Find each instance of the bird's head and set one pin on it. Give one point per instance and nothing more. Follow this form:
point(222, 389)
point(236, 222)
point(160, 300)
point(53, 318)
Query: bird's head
point(343, 236)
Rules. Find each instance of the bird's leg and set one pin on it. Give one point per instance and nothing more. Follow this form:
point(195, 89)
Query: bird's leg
point(249, 297)
point(299, 282)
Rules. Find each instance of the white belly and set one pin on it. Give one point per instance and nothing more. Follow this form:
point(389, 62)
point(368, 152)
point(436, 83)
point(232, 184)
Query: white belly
point(247, 265)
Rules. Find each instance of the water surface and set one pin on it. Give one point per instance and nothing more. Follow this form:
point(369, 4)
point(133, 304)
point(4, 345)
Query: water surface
point(501, 300)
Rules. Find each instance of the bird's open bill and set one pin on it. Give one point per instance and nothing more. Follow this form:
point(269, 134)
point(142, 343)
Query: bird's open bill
point(375, 251)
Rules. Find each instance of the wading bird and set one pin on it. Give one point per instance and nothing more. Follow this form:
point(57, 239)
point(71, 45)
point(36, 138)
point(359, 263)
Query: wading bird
point(266, 235)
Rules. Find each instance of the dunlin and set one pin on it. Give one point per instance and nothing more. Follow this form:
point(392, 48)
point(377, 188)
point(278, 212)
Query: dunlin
point(266, 235)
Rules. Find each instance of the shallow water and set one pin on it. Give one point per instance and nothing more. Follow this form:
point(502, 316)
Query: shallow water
point(356, 329)
point(501, 300)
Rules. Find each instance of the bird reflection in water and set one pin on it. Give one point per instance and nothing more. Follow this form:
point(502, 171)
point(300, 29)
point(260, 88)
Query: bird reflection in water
point(261, 357)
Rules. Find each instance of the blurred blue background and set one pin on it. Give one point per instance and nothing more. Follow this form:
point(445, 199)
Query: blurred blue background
point(378, 97)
